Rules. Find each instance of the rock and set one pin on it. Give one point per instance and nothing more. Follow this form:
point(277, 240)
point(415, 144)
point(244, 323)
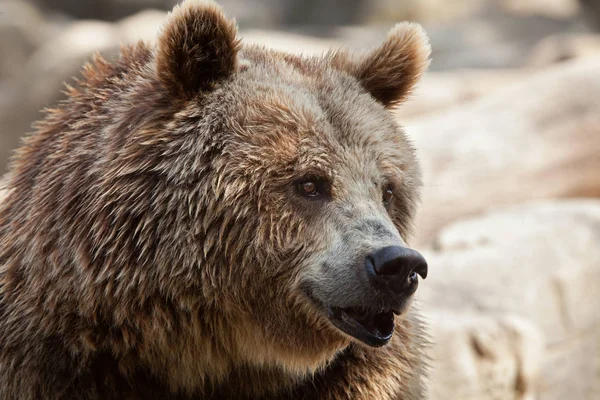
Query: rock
point(539, 138)
point(483, 357)
point(256, 13)
point(421, 10)
point(442, 90)
point(548, 8)
point(322, 12)
point(15, 119)
point(41, 81)
point(572, 371)
point(440, 11)
point(591, 12)
point(63, 56)
point(110, 10)
point(22, 30)
point(142, 26)
point(289, 42)
point(563, 47)
point(540, 262)
point(492, 40)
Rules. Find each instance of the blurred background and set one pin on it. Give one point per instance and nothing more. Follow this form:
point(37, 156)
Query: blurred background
point(507, 125)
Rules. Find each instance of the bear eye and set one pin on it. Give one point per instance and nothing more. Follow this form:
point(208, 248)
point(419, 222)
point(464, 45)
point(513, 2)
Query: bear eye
point(313, 187)
point(388, 194)
point(309, 189)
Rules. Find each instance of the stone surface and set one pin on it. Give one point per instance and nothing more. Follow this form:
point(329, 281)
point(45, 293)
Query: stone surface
point(143, 26)
point(105, 9)
point(591, 12)
point(289, 42)
point(538, 138)
point(41, 81)
point(477, 356)
point(443, 90)
point(563, 47)
point(441, 11)
point(549, 8)
point(493, 39)
point(22, 29)
point(539, 262)
point(422, 10)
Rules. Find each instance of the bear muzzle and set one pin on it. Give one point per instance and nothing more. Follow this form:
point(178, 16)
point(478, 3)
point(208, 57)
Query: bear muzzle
point(392, 275)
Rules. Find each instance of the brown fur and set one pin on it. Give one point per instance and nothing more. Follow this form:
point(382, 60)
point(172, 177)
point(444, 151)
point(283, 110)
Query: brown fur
point(196, 50)
point(390, 72)
point(152, 245)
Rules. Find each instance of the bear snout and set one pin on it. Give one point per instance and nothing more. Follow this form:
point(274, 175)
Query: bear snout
point(394, 269)
point(382, 287)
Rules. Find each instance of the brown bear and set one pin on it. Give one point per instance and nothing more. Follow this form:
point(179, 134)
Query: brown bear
point(209, 220)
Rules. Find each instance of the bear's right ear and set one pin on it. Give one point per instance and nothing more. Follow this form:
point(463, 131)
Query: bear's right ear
point(197, 48)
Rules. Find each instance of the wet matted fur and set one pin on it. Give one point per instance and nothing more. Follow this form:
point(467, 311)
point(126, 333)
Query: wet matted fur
point(152, 244)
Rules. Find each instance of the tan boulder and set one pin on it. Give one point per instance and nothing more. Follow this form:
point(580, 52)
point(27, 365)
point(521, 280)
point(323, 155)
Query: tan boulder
point(538, 138)
point(421, 10)
point(483, 357)
point(539, 262)
point(563, 47)
point(143, 25)
point(22, 30)
point(289, 42)
point(62, 56)
point(440, 91)
point(547, 8)
point(41, 80)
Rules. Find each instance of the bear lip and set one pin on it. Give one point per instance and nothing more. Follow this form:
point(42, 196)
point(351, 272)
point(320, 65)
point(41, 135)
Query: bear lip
point(373, 329)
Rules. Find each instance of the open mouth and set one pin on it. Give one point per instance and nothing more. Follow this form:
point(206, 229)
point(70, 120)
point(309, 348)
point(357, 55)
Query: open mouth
point(373, 329)
point(370, 325)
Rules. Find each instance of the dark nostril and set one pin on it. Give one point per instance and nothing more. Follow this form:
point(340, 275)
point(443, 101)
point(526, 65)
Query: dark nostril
point(397, 261)
point(412, 277)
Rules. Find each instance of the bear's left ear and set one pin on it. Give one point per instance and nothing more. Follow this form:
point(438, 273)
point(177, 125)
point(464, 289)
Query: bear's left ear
point(197, 48)
point(391, 71)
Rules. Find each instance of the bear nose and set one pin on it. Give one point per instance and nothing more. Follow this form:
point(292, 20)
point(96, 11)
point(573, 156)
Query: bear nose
point(396, 266)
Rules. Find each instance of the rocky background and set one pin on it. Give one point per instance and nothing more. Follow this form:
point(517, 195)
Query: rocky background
point(507, 124)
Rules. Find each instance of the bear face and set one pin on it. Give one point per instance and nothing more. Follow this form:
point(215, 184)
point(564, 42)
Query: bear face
point(206, 206)
point(316, 177)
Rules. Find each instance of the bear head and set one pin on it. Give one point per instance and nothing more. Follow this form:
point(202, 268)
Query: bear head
point(305, 185)
point(215, 204)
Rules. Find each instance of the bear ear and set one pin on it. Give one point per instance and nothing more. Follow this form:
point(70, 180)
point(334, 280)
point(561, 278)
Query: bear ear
point(390, 71)
point(197, 48)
